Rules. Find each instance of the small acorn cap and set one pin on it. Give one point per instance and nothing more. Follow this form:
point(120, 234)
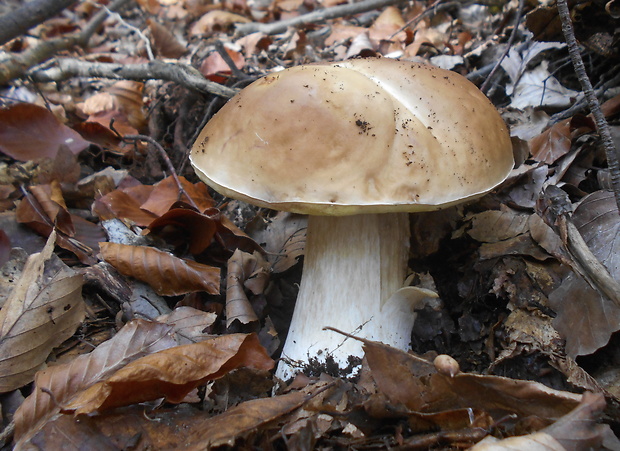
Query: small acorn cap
point(360, 136)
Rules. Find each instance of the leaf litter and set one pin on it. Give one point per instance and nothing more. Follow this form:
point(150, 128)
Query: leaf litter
point(532, 331)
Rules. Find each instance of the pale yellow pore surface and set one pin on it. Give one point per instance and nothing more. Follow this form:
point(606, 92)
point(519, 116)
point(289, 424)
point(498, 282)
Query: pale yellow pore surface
point(360, 136)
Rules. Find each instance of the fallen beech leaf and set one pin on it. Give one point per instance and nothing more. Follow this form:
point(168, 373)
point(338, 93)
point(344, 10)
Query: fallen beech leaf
point(551, 144)
point(167, 274)
point(244, 270)
point(214, 67)
point(493, 226)
point(585, 319)
point(182, 225)
point(239, 421)
point(189, 324)
point(31, 132)
point(215, 21)
point(121, 204)
point(165, 42)
point(44, 309)
point(173, 373)
point(166, 193)
point(136, 339)
point(413, 382)
point(123, 98)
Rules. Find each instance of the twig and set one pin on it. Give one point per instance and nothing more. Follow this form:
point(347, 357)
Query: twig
point(120, 20)
point(315, 16)
point(18, 65)
point(182, 74)
point(511, 40)
point(237, 73)
point(166, 159)
point(22, 19)
point(602, 127)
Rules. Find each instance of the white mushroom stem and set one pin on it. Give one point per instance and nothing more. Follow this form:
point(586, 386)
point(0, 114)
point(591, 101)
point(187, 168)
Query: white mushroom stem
point(353, 265)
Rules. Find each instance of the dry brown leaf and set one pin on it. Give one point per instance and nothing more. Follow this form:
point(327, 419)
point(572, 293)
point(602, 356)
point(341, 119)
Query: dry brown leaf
point(44, 309)
point(164, 41)
point(31, 132)
point(249, 271)
point(215, 68)
point(136, 339)
point(184, 226)
point(167, 274)
point(189, 324)
point(493, 226)
point(282, 236)
point(166, 193)
point(173, 373)
point(120, 204)
point(551, 144)
point(122, 99)
point(585, 319)
point(241, 420)
point(413, 382)
point(216, 21)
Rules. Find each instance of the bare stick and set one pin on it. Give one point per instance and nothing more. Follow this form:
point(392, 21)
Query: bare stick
point(31, 14)
point(315, 16)
point(182, 74)
point(18, 65)
point(166, 159)
point(602, 127)
point(511, 40)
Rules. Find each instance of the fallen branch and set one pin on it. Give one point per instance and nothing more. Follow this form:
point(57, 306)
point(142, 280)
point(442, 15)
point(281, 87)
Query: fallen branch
point(314, 17)
point(22, 19)
point(602, 127)
point(17, 66)
point(182, 74)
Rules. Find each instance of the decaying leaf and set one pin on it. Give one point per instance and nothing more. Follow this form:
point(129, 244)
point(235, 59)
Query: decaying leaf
point(173, 373)
point(586, 319)
point(44, 309)
point(167, 274)
point(245, 271)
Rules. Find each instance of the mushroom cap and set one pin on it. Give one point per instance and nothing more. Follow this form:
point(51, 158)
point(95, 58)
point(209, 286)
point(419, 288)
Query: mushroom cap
point(359, 136)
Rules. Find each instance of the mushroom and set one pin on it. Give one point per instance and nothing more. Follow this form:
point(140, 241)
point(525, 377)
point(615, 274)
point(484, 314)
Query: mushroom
point(356, 145)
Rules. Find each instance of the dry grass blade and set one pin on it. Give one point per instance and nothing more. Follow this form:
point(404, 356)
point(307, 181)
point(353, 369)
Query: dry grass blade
point(167, 274)
point(44, 309)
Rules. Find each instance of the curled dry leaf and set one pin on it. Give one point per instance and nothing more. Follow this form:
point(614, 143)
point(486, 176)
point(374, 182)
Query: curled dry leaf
point(44, 309)
point(585, 319)
point(136, 339)
point(167, 274)
point(173, 373)
point(165, 42)
point(31, 132)
point(166, 193)
point(182, 225)
point(122, 101)
point(249, 271)
point(189, 324)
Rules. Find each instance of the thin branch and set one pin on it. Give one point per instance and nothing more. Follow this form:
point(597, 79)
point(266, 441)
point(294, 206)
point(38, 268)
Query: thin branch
point(166, 159)
point(17, 66)
point(182, 74)
point(602, 127)
point(511, 40)
point(314, 17)
point(22, 19)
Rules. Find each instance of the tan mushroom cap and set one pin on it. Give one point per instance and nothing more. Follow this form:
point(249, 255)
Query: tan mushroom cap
point(360, 136)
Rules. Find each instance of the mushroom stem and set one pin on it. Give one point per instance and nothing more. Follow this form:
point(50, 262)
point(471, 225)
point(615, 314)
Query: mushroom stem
point(352, 267)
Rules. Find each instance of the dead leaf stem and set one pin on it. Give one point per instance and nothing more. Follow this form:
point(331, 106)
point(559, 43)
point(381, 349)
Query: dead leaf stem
point(602, 127)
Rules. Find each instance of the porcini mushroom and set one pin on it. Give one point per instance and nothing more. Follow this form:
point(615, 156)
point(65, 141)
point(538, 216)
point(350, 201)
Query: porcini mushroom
point(356, 145)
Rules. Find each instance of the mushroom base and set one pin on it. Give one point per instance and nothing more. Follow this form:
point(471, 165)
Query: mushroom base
point(352, 267)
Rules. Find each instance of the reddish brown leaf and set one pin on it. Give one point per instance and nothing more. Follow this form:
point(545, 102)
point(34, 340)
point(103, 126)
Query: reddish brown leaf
point(122, 100)
point(173, 373)
point(249, 271)
point(31, 132)
point(188, 226)
point(166, 193)
point(214, 66)
point(552, 144)
point(165, 42)
point(167, 274)
point(120, 204)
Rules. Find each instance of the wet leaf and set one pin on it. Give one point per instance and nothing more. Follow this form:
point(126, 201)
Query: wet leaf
point(44, 309)
point(167, 274)
point(31, 132)
point(173, 373)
